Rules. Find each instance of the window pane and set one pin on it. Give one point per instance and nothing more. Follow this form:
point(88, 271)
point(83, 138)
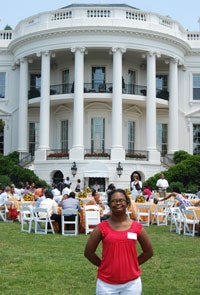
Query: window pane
point(1, 139)
point(196, 139)
point(162, 143)
point(64, 135)
point(196, 87)
point(2, 84)
point(97, 134)
point(131, 136)
point(98, 77)
point(33, 137)
point(36, 81)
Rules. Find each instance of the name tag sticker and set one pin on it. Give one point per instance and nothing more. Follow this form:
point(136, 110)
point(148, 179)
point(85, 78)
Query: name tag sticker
point(132, 236)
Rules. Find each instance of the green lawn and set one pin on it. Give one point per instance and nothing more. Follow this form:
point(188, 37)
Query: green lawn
point(54, 264)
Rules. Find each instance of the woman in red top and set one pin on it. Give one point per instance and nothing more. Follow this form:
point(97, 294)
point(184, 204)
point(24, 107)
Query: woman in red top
point(118, 269)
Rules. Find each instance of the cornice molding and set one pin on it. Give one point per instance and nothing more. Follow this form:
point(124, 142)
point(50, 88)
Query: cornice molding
point(157, 36)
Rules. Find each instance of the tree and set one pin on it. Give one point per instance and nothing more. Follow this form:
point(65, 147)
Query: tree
point(7, 28)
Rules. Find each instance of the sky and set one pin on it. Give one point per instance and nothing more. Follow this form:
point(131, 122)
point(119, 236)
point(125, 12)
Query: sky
point(187, 13)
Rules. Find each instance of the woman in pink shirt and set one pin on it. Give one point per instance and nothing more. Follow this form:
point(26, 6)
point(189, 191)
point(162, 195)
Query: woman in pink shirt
point(118, 269)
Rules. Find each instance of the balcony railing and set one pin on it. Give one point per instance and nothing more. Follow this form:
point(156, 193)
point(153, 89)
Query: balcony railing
point(136, 155)
point(97, 154)
point(56, 154)
point(67, 88)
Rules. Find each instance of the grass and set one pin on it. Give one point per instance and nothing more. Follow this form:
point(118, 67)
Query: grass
point(54, 264)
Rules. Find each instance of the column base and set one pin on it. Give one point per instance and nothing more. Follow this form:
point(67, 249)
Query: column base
point(118, 154)
point(40, 155)
point(154, 156)
point(76, 153)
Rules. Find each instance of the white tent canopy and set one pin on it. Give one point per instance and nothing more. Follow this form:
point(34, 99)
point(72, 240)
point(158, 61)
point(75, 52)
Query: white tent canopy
point(96, 169)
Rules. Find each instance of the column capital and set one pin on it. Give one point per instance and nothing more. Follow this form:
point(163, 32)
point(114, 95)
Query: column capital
point(152, 53)
point(78, 48)
point(22, 60)
point(115, 49)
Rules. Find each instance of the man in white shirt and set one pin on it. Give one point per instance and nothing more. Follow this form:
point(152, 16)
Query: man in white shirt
point(162, 185)
point(66, 190)
point(51, 207)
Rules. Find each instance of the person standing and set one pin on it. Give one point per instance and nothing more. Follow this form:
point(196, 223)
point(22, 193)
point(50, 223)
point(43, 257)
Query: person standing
point(162, 185)
point(119, 267)
point(136, 187)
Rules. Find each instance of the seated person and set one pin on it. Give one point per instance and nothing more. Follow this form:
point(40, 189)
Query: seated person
point(3, 198)
point(69, 202)
point(104, 210)
point(39, 199)
point(51, 207)
point(183, 203)
point(146, 192)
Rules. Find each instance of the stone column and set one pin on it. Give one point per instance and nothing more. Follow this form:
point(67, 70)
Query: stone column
point(117, 151)
point(173, 107)
point(77, 151)
point(23, 108)
point(153, 154)
point(44, 106)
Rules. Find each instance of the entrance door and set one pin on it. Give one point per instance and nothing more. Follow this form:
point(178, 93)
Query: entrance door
point(99, 180)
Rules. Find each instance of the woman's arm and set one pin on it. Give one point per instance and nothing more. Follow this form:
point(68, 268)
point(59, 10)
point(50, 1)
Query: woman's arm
point(91, 246)
point(146, 246)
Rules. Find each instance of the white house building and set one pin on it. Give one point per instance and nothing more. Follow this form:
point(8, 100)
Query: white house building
point(99, 87)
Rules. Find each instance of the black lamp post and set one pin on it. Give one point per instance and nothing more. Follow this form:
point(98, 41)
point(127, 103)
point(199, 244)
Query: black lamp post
point(73, 169)
point(119, 169)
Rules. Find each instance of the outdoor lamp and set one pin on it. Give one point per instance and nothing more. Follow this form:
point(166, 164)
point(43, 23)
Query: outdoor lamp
point(119, 169)
point(73, 169)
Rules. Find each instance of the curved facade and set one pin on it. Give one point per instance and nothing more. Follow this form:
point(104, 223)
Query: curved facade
point(101, 86)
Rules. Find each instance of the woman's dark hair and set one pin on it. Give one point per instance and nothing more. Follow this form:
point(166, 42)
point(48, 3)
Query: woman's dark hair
point(111, 186)
point(72, 195)
point(136, 173)
point(119, 190)
point(94, 192)
point(176, 189)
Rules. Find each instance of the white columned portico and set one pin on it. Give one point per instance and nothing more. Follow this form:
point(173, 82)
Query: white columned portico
point(77, 151)
point(23, 108)
point(154, 155)
point(117, 151)
point(173, 107)
point(44, 107)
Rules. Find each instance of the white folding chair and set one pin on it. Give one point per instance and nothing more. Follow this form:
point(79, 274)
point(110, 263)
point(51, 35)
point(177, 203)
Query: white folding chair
point(169, 204)
point(92, 217)
point(176, 220)
point(42, 220)
point(26, 217)
point(3, 213)
point(190, 221)
point(160, 215)
point(66, 223)
point(143, 214)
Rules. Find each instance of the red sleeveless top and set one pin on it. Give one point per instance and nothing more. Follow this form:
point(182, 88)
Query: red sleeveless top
point(119, 263)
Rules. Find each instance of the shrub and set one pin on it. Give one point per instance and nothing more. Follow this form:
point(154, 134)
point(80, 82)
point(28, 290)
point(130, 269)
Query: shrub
point(180, 156)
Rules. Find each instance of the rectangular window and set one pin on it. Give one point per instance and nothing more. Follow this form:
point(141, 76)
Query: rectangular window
point(97, 135)
point(64, 135)
point(196, 87)
point(1, 137)
point(131, 82)
point(35, 86)
point(162, 143)
point(65, 81)
point(131, 136)
point(162, 86)
point(2, 84)
point(33, 137)
point(196, 139)
point(98, 78)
